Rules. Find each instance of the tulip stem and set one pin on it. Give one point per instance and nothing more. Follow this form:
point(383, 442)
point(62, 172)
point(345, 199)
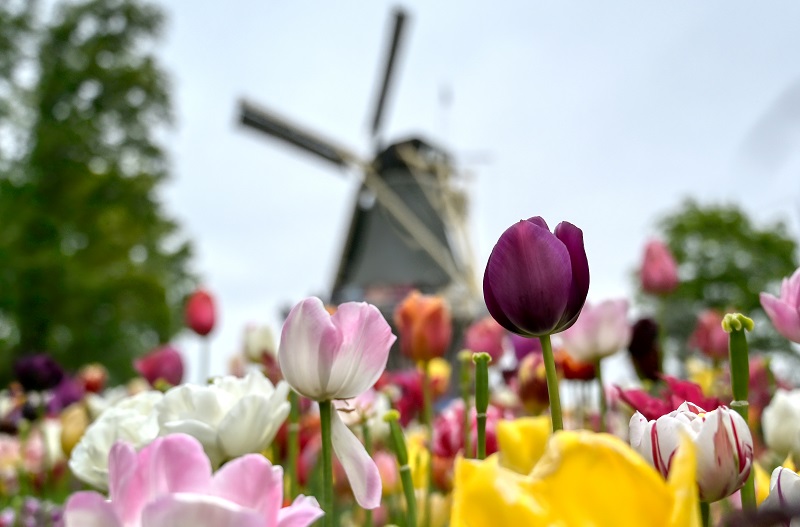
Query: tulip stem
point(368, 447)
point(603, 402)
point(552, 383)
point(705, 513)
point(427, 414)
point(465, 358)
point(735, 324)
point(481, 361)
point(293, 440)
point(325, 408)
point(399, 446)
point(205, 352)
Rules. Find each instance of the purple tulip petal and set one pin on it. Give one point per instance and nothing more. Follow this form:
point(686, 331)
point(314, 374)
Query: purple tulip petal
point(538, 220)
point(493, 306)
point(196, 510)
point(364, 350)
point(361, 470)
point(309, 342)
point(572, 237)
point(303, 511)
point(529, 277)
point(252, 482)
point(784, 317)
point(90, 509)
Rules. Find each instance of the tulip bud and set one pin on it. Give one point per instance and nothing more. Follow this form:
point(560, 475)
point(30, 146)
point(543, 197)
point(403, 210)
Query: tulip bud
point(93, 377)
point(645, 349)
point(780, 422)
point(162, 364)
point(659, 273)
point(723, 440)
point(424, 325)
point(485, 335)
point(601, 330)
point(532, 384)
point(200, 316)
point(784, 312)
point(709, 337)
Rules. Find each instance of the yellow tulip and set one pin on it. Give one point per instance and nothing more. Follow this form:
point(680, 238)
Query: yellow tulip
point(419, 459)
point(582, 479)
point(522, 442)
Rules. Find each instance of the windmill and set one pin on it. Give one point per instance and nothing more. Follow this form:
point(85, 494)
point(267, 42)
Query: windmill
point(409, 221)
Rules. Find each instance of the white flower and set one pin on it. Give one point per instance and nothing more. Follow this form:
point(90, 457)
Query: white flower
point(784, 491)
point(366, 409)
point(231, 417)
point(259, 341)
point(781, 423)
point(132, 419)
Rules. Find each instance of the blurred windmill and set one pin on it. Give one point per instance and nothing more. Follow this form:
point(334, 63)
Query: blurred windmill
point(409, 221)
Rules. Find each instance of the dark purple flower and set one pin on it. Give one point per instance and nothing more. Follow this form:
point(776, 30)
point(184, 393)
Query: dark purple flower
point(38, 372)
point(524, 346)
point(67, 392)
point(536, 281)
point(645, 349)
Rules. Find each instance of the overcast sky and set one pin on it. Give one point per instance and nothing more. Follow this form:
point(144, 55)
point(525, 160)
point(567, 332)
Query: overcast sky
point(604, 114)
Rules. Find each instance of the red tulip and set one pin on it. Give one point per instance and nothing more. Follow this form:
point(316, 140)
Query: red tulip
point(659, 273)
point(200, 313)
point(425, 326)
point(164, 364)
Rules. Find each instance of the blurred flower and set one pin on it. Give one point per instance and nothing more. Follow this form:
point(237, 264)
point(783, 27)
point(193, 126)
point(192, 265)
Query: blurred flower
point(67, 392)
point(784, 312)
point(524, 346)
point(485, 335)
point(38, 372)
point(41, 449)
point(784, 492)
point(419, 458)
point(326, 357)
point(74, 422)
point(260, 346)
point(645, 349)
point(389, 471)
point(780, 422)
point(601, 330)
point(367, 410)
point(723, 440)
point(132, 419)
point(522, 442)
point(531, 384)
point(659, 272)
point(230, 417)
point(673, 395)
point(536, 282)
point(439, 372)
point(572, 485)
point(164, 363)
point(424, 325)
point(574, 369)
point(709, 337)
point(93, 377)
point(200, 315)
point(10, 461)
point(448, 430)
point(169, 483)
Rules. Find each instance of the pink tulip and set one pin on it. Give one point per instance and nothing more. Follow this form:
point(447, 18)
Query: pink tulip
point(601, 330)
point(164, 363)
point(785, 311)
point(486, 335)
point(169, 483)
point(326, 357)
point(709, 337)
point(200, 312)
point(659, 273)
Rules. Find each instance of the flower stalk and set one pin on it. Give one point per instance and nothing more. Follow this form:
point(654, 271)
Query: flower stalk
point(399, 446)
point(603, 402)
point(481, 361)
point(368, 446)
point(325, 409)
point(465, 385)
point(552, 383)
point(735, 324)
point(294, 443)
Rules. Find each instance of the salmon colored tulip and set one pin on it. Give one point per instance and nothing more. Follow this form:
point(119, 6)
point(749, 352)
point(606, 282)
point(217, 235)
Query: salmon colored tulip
point(425, 326)
point(583, 479)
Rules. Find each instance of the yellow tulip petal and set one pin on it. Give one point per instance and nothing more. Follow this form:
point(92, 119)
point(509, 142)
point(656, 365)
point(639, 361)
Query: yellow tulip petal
point(682, 483)
point(522, 442)
point(789, 463)
point(761, 480)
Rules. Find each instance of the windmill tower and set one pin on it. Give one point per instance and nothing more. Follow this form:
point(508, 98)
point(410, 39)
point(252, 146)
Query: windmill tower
point(408, 228)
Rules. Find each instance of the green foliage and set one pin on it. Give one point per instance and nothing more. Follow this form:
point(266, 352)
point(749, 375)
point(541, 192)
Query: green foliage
point(93, 269)
point(725, 261)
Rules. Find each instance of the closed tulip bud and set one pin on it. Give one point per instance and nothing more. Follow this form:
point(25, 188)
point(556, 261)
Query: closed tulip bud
point(723, 440)
point(74, 421)
point(162, 364)
point(425, 326)
point(784, 491)
point(659, 273)
point(93, 377)
point(781, 423)
point(784, 312)
point(200, 312)
point(486, 335)
point(645, 349)
point(709, 337)
point(536, 281)
point(532, 384)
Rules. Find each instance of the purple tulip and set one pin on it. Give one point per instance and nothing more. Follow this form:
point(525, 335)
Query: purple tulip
point(524, 346)
point(536, 281)
point(38, 372)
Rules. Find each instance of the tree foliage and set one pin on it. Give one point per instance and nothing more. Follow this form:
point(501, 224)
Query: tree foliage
point(725, 261)
point(93, 270)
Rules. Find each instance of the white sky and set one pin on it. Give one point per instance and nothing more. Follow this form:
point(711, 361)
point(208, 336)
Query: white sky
point(605, 114)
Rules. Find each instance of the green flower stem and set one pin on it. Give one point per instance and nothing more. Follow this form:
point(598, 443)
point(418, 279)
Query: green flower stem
point(294, 443)
point(603, 403)
point(552, 383)
point(399, 447)
point(205, 353)
point(427, 417)
point(465, 358)
point(736, 324)
point(481, 361)
point(325, 409)
point(705, 513)
point(368, 448)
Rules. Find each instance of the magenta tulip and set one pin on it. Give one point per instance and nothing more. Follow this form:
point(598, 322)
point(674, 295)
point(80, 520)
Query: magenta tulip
point(162, 364)
point(200, 312)
point(709, 337)
point(485, 335)
point(785, 311)
point(536, 281)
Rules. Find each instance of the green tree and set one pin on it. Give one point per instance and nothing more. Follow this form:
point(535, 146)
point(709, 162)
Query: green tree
point(725, 261)
point(93, 270)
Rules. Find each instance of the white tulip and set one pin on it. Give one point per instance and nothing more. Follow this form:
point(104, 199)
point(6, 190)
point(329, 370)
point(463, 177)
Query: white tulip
point(781, 423)
point(784, 491)
point(231, 417)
